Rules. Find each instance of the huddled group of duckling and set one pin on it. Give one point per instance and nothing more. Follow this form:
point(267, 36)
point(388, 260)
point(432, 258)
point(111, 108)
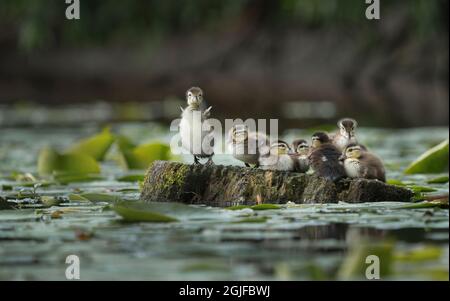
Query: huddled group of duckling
point(333, 156)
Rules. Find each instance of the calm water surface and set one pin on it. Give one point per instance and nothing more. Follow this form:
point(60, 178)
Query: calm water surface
point(297, 242)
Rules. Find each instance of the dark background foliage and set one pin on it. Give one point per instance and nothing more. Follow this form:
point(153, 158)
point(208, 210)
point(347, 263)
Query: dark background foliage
point(254, 58)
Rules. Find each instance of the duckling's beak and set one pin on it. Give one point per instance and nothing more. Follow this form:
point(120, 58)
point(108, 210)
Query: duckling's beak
point(342, 157)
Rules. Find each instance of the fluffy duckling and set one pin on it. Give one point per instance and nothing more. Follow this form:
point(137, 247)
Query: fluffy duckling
point(346, 133)
point(278, 158)
point(197, 135)
point(300, 151)
point(247, 146)
point(324, 157)
point(359, 163)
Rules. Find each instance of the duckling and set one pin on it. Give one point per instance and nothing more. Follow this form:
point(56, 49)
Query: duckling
point(247, 146)
point(360, 163)
point(300, 151)
point(197, 135)
point(324, 157)
point(278, 158)
point(346, 133)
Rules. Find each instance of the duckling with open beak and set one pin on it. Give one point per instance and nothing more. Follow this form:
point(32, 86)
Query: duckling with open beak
point(360, 163)
point(197, 134)
point(278, 158)
point(324, 157)
point(247, 146)
point(346, 133)
point(300, 151)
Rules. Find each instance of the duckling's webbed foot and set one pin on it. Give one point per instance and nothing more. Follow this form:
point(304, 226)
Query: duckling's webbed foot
point(196, 161)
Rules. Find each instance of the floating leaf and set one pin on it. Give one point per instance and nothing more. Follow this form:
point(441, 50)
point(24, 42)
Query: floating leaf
point(438, 180)
point(265, 207)
point(130, 214)
point(66, 178)
point(417, 188)
point(50, 161)
point(132, 178)
point(443, 203)
point(95, 146)
point(100, 197)
point(49, 201)
point(255, 207)
point(77, 198)
point(434, 160)
point(142, 156)
point(395, 182)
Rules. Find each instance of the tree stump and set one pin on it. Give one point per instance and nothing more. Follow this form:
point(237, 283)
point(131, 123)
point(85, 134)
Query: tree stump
point(222, 186)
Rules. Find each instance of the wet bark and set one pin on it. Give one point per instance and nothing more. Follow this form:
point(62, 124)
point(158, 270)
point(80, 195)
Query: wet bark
point(223, 186)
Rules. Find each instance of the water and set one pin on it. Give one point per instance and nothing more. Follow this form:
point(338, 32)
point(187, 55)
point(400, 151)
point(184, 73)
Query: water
point(297, 242)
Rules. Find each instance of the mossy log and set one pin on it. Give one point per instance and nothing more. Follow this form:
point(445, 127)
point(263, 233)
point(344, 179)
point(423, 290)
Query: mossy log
point(218, 185)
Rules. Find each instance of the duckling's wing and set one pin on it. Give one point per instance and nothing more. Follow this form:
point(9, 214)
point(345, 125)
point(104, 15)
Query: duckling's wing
point(325, 163)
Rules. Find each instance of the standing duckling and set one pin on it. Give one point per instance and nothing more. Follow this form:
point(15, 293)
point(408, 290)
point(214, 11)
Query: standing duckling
point(359, 163)
point(197, 135)
point(300, 151)
point(346, 133)
point(278, 158)
point(247, 146)
point(324, 157)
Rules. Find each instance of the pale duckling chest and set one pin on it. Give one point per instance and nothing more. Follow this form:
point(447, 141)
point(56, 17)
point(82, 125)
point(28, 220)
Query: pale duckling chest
point(352, 168)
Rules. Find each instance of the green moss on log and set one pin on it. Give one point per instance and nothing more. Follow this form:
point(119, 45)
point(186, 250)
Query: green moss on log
point(224, 186)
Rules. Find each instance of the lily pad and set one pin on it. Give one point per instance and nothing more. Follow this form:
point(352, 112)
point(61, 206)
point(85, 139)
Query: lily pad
point(130, 214)
point(50, 161)
point(66, 178)
point(265, 207)
point(255, 207)
point(77, 198)
point(142, 156)
point(100, 197)
point(434, 160)
point(132, 178)
point(96, 146)
point(438, 180)
point(417, 188)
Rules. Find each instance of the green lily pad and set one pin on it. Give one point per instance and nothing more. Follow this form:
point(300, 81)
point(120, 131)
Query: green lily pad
point(255, 207)
point(438, 180)
point(427, 204)
point(265, 207)
point(434, 160)
point(50, 161)
point(417, 188)
point(66, 178)
point(77, 198)
point(100, 197)
point(395, 182)
point(96, 146)
point(132, 178)
point(142, 156)
point(130, 214)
